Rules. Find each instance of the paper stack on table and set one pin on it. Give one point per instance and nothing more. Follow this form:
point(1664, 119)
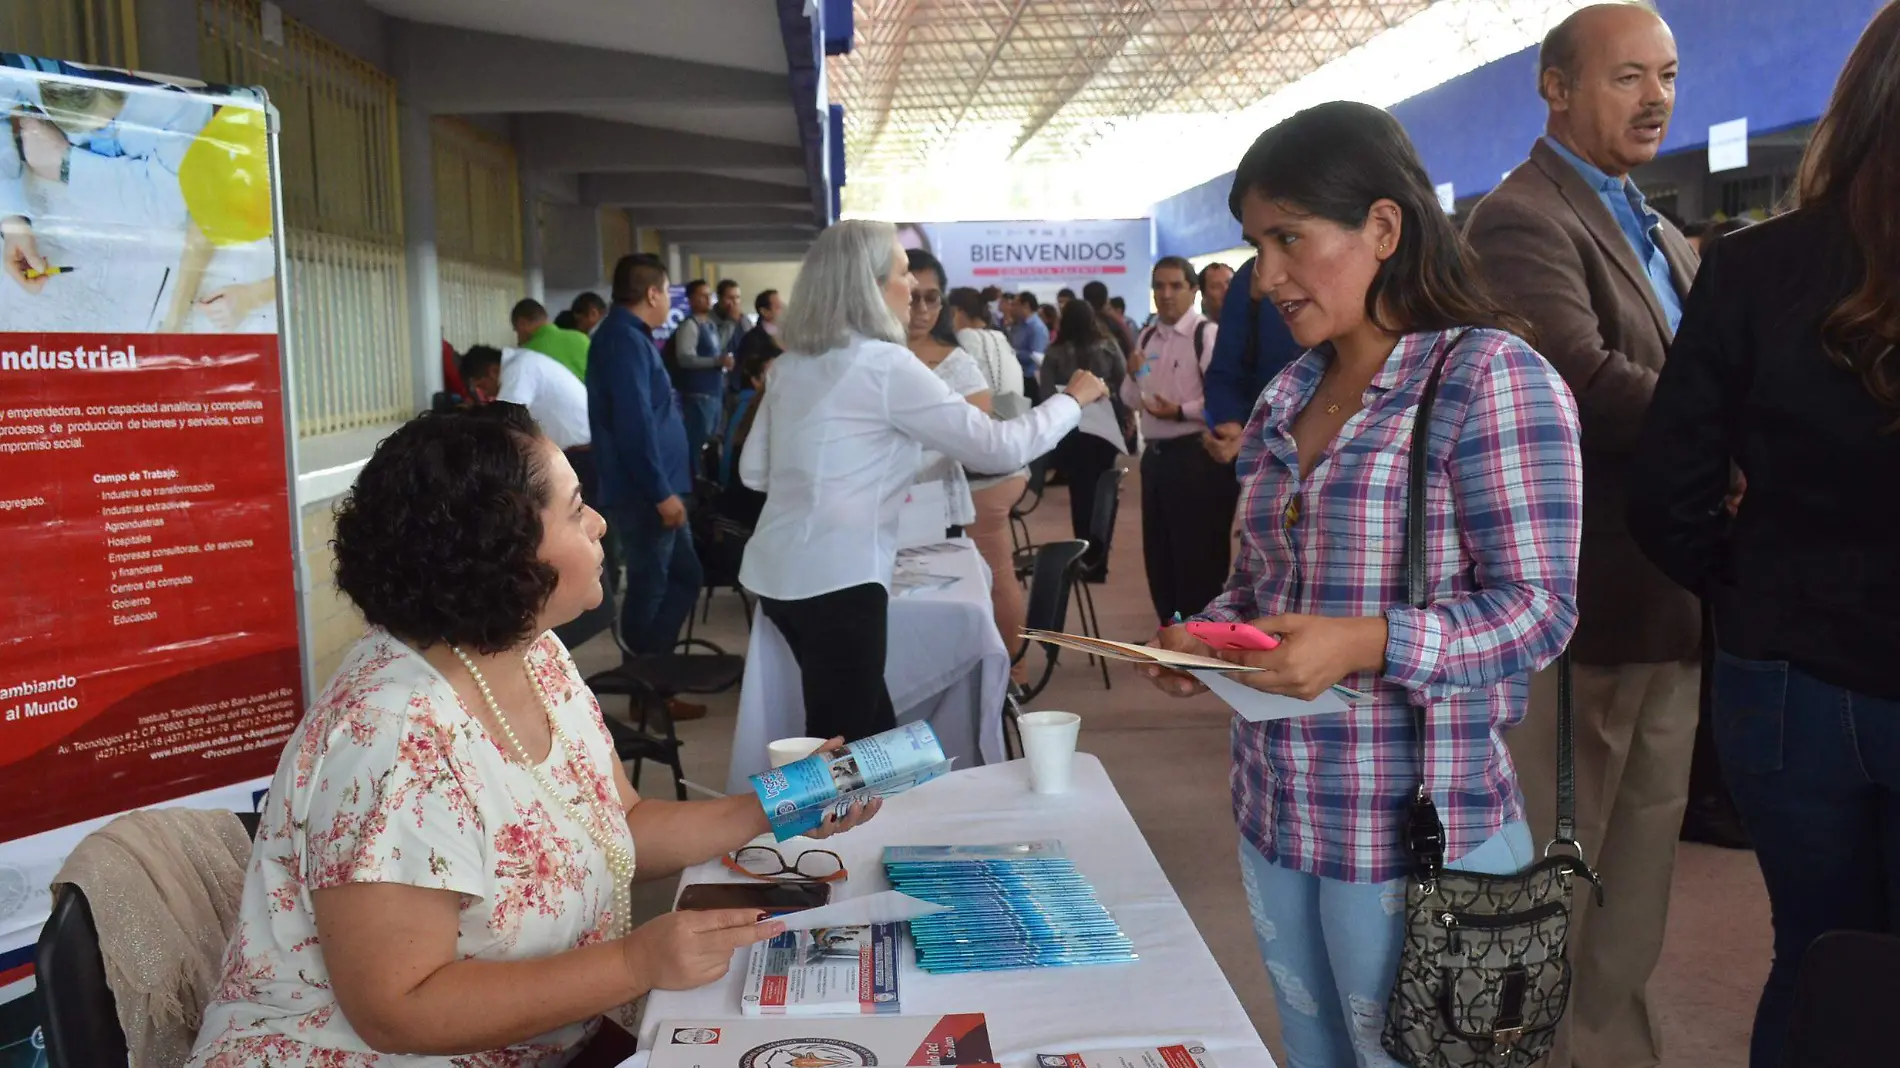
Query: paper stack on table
point(1017, 905)
point(833, 971)
point(842, 1042)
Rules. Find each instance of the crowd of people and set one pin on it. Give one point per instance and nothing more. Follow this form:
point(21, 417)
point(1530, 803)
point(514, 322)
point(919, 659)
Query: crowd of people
point(1652, 461)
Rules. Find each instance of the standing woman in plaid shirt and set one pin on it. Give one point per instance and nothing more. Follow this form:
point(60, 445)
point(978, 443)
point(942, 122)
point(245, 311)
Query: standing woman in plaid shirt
point(1373, 281)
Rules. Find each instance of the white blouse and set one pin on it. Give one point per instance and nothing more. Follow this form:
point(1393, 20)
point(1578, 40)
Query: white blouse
point(960, 373)
point(389, 779)
point(836, 446)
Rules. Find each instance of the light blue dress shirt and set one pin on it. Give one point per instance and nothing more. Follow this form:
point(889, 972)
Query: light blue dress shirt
point(1632, 214)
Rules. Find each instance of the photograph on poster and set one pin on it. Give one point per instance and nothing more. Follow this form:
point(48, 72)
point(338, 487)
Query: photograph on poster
point(129, 208)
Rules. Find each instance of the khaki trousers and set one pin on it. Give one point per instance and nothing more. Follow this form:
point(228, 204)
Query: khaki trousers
point(1635, 732)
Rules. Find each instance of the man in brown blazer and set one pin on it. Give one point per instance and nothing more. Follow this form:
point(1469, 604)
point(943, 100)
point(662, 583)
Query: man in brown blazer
point(1567, 243)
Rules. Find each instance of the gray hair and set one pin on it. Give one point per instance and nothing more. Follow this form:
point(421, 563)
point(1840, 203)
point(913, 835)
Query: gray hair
point(840, 289)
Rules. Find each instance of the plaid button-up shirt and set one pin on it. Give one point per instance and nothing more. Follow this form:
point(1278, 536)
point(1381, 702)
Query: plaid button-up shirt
point(1327, 794)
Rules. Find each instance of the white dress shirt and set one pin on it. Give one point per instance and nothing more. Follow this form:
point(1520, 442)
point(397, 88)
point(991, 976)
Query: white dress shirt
point(835, 447)
point(550, 392)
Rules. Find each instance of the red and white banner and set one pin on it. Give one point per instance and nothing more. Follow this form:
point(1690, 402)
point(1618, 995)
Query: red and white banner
point(149, 637)
point(150, 647)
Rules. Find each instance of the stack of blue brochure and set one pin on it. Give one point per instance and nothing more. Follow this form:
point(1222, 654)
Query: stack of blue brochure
point(1016, 905)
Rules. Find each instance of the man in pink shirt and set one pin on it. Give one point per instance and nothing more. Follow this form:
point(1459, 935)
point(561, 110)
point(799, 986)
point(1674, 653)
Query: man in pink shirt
point(1187, 500)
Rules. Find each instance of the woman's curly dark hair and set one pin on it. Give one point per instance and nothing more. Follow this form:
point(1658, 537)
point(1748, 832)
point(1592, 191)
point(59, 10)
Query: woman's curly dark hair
point(439, 541)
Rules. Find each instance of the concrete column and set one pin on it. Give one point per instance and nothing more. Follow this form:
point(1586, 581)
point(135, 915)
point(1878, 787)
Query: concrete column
point(416, 154)
point(675, 263)
point(533, 252)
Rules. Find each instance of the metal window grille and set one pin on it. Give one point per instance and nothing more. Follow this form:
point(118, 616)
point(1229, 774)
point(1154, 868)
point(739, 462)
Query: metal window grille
point(478, 233)
point(103, 32)
point(348, 315)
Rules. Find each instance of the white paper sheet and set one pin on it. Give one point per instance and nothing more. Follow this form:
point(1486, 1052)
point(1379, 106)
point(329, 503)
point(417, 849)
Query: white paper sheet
point(1255, 706)
point(890, 906)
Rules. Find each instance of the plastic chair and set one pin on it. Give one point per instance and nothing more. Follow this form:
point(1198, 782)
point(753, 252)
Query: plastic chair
point(1032, 494)
point(1049, 589)
point(1842, 998)
point(79, 1017)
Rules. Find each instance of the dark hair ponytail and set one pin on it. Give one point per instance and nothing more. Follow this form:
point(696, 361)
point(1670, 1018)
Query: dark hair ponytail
point(1334, 161)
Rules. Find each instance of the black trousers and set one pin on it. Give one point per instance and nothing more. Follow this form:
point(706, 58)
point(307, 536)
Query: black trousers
point(1084, 458)
point(1187, 520)
point(839, 639)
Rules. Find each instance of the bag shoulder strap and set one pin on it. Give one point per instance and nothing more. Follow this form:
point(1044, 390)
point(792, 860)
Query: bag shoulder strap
point(1200, 340)
point(1418, 595)
point(1147, 335)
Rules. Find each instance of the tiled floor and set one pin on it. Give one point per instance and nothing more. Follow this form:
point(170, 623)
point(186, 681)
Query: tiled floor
point(1169, 759)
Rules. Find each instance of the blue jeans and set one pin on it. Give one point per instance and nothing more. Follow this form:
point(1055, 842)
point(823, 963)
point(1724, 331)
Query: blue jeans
point(1815, 770)
point(663, 578)
point(700, 412)
point(1332, 949)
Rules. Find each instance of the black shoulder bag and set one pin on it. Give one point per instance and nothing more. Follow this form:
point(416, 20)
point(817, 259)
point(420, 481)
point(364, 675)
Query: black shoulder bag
point(1483, 977)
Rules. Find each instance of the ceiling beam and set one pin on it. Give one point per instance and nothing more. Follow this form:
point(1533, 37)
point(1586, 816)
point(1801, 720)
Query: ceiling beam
point(682, 189)
point(729, 217)
point(445, 70)
point(568, 144)
point(748, 235)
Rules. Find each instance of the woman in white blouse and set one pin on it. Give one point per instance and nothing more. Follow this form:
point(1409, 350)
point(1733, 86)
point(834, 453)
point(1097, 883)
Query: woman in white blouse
point(835, 448)
point(993, 495)
point(932, 341)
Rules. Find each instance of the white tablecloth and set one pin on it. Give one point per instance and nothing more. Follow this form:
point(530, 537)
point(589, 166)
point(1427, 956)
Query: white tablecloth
point(1174, 992)
point(945, 663)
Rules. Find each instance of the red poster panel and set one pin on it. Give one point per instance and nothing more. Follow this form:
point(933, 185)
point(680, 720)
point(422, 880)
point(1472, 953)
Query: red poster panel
point(150, 648)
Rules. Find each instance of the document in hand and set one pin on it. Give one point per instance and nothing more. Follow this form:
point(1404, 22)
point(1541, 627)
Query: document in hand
point(797, 796)
point(1132, 654)
point(1253, 705)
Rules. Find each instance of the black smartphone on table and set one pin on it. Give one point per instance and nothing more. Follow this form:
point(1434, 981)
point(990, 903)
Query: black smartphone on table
point(774, 898)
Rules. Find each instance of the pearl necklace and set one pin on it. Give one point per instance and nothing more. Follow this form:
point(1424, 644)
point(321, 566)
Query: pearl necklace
point(619, 858)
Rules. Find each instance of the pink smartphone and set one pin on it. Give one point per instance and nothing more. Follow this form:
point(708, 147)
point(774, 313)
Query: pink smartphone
point(1234, 636)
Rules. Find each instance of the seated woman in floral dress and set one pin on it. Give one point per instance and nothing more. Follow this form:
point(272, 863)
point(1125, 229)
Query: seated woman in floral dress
point(442, 872)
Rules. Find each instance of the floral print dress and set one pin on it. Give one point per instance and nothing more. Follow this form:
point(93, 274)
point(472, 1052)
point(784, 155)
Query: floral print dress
point(390, 779)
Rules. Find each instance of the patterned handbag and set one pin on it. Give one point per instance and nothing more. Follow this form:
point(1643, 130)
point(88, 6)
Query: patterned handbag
point(1483, 978)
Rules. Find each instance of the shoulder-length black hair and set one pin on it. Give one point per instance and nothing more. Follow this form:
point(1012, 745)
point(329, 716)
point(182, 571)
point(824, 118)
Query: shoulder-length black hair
point(1853, 166)
point(1079, 326)
point(944, 330)
point(1334, 161)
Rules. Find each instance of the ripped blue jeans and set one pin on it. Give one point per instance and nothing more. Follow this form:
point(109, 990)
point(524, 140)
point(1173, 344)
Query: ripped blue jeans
point(1332, 949)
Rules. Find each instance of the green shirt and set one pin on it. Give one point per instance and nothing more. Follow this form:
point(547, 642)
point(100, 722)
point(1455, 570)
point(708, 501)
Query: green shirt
point(565, 347)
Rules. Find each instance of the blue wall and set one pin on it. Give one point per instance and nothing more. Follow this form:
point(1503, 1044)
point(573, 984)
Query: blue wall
point(1774, 61)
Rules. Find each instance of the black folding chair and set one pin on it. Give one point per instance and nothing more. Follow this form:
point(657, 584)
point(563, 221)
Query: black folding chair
point(1027, 503)
point(78, 1015)
point(1841, 1001)
point(648, 683)
point(1050, 584)
point(1108, 492)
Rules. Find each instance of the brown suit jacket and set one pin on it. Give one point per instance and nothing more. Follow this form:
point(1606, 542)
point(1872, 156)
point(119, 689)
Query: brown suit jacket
point(1552, 253)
